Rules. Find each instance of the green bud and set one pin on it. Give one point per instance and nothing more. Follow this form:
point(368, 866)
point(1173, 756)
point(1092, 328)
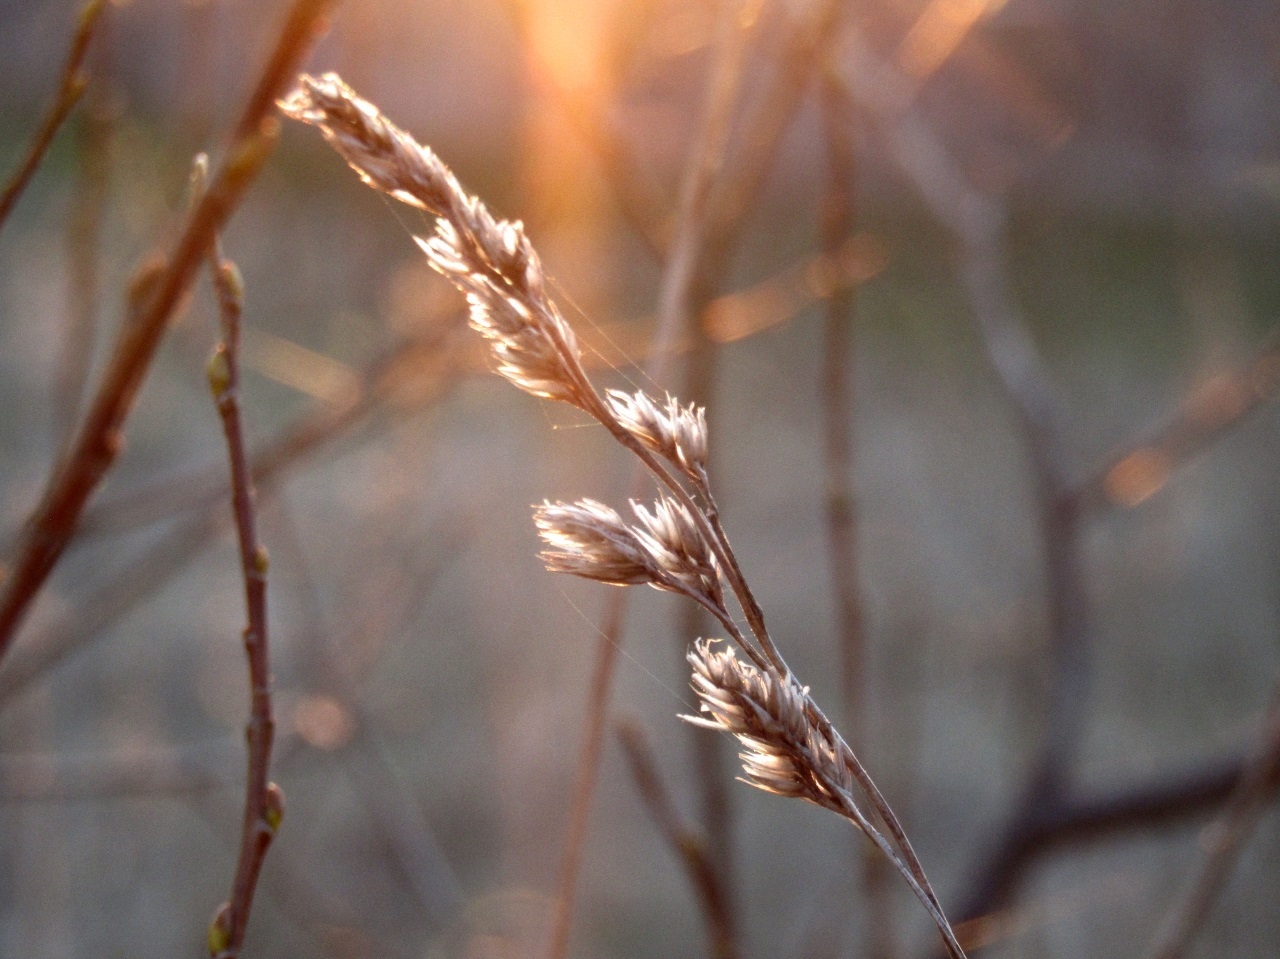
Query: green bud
point(218, 370)
point(273, 811)
point(220, 930)
point(232, 282)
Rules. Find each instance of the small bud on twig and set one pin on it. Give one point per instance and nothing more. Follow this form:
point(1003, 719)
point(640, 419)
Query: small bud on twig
point(232, 282)
point(273, 810)
point(218, 370)
point(219, 935)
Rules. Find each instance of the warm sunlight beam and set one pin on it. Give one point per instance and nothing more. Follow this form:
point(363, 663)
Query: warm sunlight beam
point(939, 31)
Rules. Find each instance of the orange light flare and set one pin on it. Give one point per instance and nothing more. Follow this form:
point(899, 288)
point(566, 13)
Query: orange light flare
point(938, 31)
point(777, 299)
point(568, 44)
point(323, 722)
point(1137, 477)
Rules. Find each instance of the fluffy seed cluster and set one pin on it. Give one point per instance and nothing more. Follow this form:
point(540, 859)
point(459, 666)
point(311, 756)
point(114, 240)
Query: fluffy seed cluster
point(664, 549)
point(676, 545)
point(590, 540)
point(490, 260)
point(676, 433)
point(786, 751)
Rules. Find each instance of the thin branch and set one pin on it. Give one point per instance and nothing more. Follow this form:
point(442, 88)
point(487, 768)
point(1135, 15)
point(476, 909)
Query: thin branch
point(264, 801)
point(690, 846)
point(71, 87)
point(977, 223)
point(1248, 801)
point(588, 769)
point(1161, 801)
point(83, 245)
point(839, 219)
point(100, 437)
point(715, 800)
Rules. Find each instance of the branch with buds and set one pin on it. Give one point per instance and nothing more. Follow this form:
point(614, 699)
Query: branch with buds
point(678, 545)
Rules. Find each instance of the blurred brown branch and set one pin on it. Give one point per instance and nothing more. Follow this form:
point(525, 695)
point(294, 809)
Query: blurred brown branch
point(155, 299)
point(1255, 788)
point(84, 241)
point(71, 87)
point(679, 274)
point(689, 845)
point(838, 220)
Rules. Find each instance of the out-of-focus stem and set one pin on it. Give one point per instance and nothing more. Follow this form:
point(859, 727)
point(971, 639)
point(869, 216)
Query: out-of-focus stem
point(71, 87)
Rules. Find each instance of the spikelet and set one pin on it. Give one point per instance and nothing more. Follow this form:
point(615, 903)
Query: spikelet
point(676, 433)
point(786, 752)
point(490, 260)
point(590, 540)
point(676, 545)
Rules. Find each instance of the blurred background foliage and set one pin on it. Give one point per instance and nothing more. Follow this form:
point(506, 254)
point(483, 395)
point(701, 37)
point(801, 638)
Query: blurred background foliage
point(431, 678)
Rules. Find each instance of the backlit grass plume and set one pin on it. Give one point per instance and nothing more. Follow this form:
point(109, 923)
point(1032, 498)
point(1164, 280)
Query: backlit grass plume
point(678, 544)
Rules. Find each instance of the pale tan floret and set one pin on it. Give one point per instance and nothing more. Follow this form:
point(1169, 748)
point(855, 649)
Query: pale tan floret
point(590, 540)
point(676, 544)
point(676, 433)
point(787, 752)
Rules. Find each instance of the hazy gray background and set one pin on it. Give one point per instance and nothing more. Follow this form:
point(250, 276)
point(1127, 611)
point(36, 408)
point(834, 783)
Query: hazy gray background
point(431, 678)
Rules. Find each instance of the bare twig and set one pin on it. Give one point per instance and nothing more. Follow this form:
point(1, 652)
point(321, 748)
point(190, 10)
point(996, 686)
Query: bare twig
point(978, 223)
point(264, 800)
point(691, 846)
point(84, 236)
point(716, 803)
point(100, 437)
point(1238, 820)
point(839, 219)
point(71, 87)
point(1161, 801)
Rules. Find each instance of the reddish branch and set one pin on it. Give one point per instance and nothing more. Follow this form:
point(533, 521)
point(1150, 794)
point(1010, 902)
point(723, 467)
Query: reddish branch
point(100, 437)
point(70, 88)
point(263, 802)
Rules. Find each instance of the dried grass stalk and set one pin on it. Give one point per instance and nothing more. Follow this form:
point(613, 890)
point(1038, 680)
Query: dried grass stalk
point(679, 545)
